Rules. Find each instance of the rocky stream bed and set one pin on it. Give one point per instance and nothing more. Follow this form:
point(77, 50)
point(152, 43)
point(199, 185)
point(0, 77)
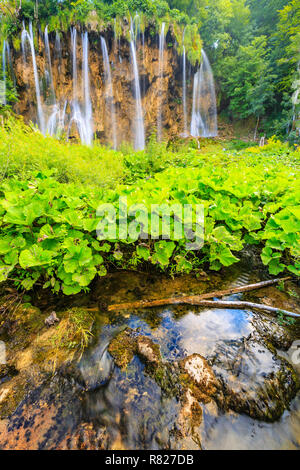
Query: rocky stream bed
point(161, 378)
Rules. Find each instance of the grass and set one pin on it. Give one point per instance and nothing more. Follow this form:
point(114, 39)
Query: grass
point(74, 332)
point(24, 149)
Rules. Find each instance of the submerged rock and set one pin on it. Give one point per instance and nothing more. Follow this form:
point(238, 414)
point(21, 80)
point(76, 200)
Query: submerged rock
point(127, 343)
point(122, 348)
point(199, 377)
point(255, 380)
point(190, 416)
point(280, 337)
point(148, 350)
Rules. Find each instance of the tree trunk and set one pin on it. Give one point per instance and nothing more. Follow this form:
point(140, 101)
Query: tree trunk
point(256, 128)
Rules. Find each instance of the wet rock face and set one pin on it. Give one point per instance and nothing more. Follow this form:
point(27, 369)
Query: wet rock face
point(7, 372)
point(186, 374)
point(255, 380)
point(243, 375)
point(123, 84)
point(271, 332)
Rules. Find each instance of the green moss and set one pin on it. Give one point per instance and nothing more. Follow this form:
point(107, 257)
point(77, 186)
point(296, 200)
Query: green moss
point(74, 331)
point(122, 348)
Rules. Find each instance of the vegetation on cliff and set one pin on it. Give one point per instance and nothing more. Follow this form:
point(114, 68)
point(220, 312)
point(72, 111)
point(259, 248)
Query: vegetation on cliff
point(254, 45)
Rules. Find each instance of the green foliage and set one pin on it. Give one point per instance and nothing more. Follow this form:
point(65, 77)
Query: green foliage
point(193, 44)
point(24, 149)
point(248, 80)
point(48, 227)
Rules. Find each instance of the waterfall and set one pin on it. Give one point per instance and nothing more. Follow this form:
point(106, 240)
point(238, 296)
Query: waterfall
point(109, 93)
point(74, 61)
point(23, 42)
point(48, 55)
point(185, 129)
point(204, 112)
point(139, 138)
point(56, 121)
point(82, 119)
point(184, 104)
point(58, 50)
point(160, 80)
point(296, 103)
point(143, 55)
point(52, 121)
point(87, 95)
point(40, 114)
point(10, 62)
point(3, 88)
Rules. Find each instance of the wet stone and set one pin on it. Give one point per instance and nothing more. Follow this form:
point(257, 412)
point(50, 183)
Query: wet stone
point(199, 377)
point(148, 350)
point(255, 380)
point(281, 337)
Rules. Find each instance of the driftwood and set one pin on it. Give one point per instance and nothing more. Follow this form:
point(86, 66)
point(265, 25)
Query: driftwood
point(244, 305)
point(194, 299)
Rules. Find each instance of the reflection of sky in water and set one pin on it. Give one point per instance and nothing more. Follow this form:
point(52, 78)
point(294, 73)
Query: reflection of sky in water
point(201, 332)
point(132, 406)
point(239, 432)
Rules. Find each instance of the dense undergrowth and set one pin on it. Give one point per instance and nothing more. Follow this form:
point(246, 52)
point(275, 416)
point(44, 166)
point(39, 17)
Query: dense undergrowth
point(48, 216)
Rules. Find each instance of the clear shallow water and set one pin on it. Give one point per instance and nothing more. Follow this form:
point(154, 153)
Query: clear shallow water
point(140, 415)
point(130, 410)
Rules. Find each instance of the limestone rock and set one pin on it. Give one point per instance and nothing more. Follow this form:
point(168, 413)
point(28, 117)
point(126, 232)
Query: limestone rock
point(52, 319)
point(254, 379)
point(199, 377)
point(148, 350)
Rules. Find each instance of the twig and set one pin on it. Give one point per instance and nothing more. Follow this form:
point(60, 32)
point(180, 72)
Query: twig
point(194, 299)
point(244, 305)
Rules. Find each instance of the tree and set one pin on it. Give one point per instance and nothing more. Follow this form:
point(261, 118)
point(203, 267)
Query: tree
point(248, 81)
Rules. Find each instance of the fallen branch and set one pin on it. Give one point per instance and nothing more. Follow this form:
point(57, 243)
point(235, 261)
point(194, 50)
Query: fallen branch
point(244, 305)
point(194, 299)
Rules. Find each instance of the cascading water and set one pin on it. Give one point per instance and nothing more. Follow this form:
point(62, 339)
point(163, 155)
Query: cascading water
point(184, 104)
point(73, 113)
point(11, 69)
point(74, 61)
point(160, 80)
point(139, 130)
point(109, 92)
point(48, 55)
point(40, 113)
point(83, 120)
point(296, 103)
point(56, 121)
point(204, 113)
point(23, 42)
point(3, 88)
point(58, 49)
point(144, 65)
point(87, 95)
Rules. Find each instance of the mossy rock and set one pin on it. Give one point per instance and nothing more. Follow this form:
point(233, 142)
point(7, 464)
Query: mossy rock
point(199, 378)
point(128, 343)
point(123, 348)
point(255, 381)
